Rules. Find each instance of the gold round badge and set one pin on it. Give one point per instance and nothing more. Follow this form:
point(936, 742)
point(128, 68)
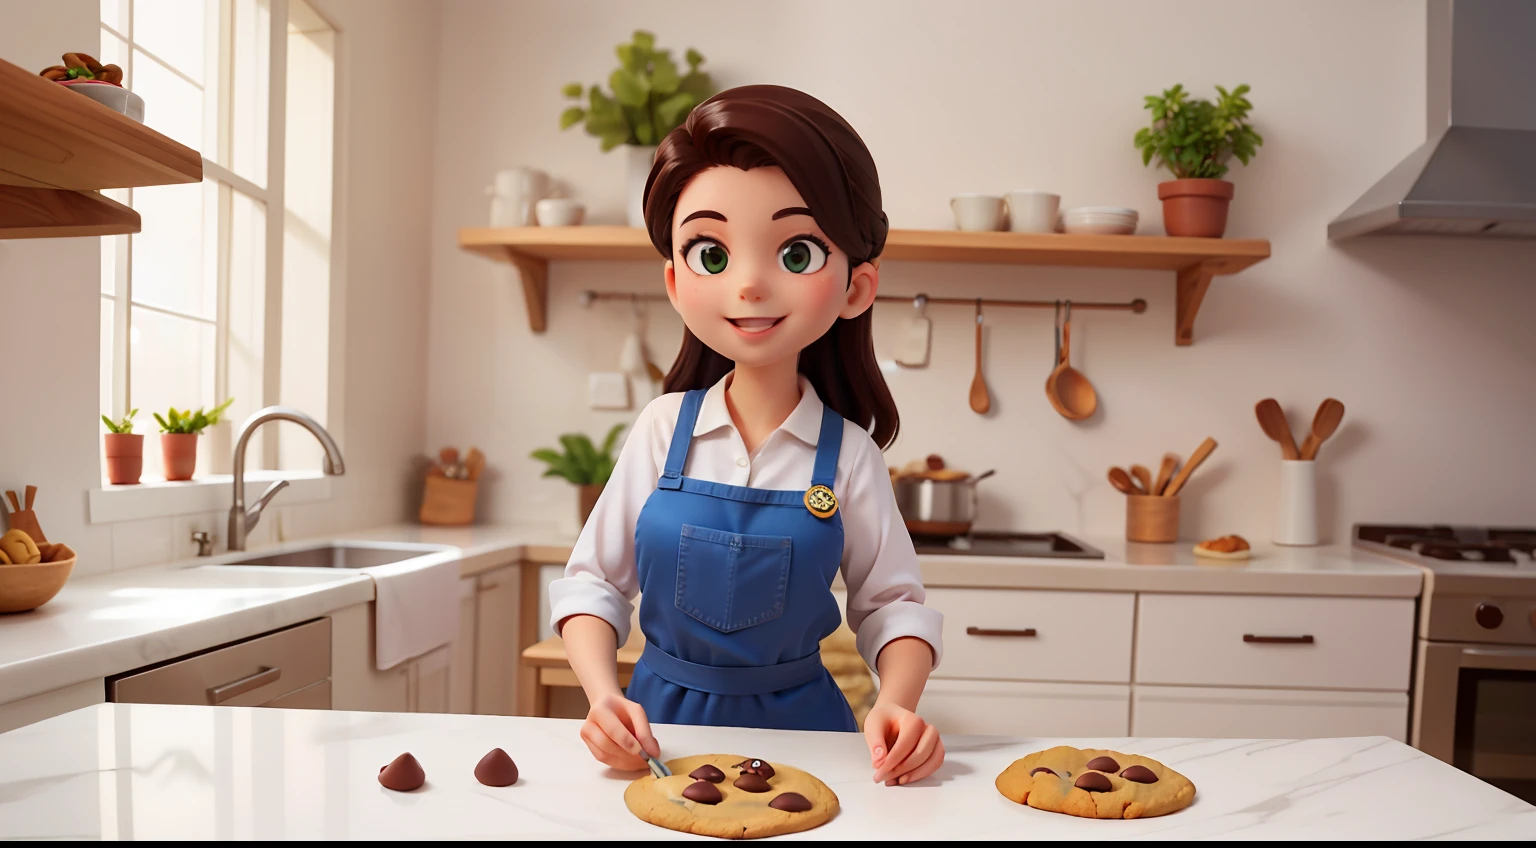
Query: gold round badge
point(820, 501)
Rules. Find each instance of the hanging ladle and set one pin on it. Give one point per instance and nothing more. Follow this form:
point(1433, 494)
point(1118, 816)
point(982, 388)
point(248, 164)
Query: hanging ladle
point(981, 401)
point(1067, 389)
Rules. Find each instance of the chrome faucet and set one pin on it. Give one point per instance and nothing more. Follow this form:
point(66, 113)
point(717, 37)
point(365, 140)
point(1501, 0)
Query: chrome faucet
point(243, 519)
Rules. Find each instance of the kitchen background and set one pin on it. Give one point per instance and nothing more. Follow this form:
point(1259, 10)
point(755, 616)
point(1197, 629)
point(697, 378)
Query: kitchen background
point(1426, 340)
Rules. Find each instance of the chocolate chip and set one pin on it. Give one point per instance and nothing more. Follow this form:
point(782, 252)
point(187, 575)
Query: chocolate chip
point(496, 769)
point(707, 772)
point(1139, 774)
point(403, 774)
point(1105, 764)
point(791, 802)
point(1093, 781)
point(755, 767)
point(750, 782)
point(1034, 772)
point(703, 792)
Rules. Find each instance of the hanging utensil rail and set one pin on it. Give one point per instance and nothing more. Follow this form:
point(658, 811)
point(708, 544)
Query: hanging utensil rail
point(1138, 305)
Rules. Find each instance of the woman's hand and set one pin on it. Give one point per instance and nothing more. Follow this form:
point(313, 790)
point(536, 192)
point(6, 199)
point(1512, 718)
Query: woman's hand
point(902, 747)
point(618, 734)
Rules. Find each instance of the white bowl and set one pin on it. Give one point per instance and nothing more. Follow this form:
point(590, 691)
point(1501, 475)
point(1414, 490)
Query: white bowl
point(1103, 210)
point(1100, 228)
point(114, 97)
point(559, 212)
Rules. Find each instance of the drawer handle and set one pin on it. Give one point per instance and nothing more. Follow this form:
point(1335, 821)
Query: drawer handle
point(220, 694)
point(1278, 640)
point(987, 631)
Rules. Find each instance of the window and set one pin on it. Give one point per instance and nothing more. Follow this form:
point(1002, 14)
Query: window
point(226, 290)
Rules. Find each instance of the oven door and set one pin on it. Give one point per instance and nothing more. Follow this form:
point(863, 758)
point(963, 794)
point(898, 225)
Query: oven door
point(1474, 708)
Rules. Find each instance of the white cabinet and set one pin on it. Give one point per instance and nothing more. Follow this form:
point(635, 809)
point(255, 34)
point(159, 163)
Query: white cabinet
point(496, 607)
point(1204, 712)
point(992, 707)
point(461, 665)
point(1276, 642)
point(1009, 634)
point(428, 682)
point(355, 683)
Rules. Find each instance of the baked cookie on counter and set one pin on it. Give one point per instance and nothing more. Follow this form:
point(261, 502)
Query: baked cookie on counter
point(731, 797)
point(1095, 784)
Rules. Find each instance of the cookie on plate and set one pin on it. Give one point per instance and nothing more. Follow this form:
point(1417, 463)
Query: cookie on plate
point(1095, 784)
point(1226, 547)
point(731, 797)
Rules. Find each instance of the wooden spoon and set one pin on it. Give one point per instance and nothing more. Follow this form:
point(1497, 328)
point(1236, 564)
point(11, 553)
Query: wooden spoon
point(1143, 477)
point(1122, 481)
point(1329, 414)
point(1165, 473)
point(1272, 419)
point(1195, 459)
point(981, 402)
point(1068, 390)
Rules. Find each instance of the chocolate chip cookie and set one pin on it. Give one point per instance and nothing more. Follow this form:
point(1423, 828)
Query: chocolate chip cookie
point(1095, 784)
point(731, 797)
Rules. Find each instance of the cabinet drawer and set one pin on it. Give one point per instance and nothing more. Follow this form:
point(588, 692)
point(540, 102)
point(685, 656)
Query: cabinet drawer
point(316, 696)
point(1192, 711)
point(988, 707)
point(245, 674)
point(1010, 634)
point(1234, 640)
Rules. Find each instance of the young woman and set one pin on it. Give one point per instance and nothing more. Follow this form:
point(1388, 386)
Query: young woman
point(741, 494)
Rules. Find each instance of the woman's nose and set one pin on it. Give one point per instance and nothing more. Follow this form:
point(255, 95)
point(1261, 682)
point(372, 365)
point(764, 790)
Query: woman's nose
point(754, 287)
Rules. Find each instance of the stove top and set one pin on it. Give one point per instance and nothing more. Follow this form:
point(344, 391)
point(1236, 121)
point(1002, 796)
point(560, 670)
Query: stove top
point(1043, 545)
point(1426, 543)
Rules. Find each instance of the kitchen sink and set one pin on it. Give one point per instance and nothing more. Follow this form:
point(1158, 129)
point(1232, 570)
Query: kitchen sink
point(335, 556)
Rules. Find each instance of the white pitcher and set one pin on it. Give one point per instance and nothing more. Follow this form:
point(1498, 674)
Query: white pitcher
point(514, 194)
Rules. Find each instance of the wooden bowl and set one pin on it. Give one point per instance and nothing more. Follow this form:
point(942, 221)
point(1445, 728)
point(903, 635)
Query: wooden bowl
point(27, 587)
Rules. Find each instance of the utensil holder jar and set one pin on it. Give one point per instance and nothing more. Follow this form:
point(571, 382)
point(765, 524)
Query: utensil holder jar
point(1150, 518)
point(1296, 509)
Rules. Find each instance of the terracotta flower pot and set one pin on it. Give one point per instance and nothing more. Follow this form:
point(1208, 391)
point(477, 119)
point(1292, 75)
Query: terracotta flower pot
point(125, 458)
point(586, 499)
point(180, 453)
point(1195, 208)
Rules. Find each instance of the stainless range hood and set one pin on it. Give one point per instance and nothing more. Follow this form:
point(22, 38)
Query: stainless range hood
point(1476, 175)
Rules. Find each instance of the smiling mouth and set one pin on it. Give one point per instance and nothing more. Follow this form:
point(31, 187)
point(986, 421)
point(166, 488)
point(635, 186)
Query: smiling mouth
point(755, 325)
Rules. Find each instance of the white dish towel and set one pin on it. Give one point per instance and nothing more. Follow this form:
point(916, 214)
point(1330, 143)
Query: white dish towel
point(416, 607)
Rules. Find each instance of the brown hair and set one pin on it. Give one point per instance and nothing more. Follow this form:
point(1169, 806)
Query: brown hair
point(763, 126)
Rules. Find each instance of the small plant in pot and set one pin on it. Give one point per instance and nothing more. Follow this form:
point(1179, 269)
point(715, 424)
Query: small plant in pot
point(178, 438)
point(124, 450)
point(583, 464)
point(651, 97)
point(1195, 139)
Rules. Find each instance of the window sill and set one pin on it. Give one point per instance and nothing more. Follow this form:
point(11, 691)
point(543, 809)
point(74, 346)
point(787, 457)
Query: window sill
point(213, 493)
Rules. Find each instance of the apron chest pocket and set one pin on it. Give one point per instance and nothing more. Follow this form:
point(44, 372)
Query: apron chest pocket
point(731, 581)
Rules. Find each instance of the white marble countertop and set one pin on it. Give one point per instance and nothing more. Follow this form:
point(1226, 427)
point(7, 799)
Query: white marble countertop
point(158, 772)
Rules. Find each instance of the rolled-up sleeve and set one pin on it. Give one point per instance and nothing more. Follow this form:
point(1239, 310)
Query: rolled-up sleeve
point(601, 579)
point(880, 569)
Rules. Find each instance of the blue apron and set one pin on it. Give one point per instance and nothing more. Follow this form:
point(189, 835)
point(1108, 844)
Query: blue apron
point(736, 596)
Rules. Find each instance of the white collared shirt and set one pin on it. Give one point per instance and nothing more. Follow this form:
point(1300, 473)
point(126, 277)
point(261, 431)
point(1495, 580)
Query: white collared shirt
point(879, 565)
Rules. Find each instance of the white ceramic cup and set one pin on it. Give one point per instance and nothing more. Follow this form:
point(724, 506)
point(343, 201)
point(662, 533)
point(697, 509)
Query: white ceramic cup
point(560, 212)
point(1296, 510)
point(514, 194)
point(977, 212)
point(1031, 211)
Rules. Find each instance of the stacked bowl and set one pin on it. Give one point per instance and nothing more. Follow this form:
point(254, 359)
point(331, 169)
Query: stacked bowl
point(1099, 220)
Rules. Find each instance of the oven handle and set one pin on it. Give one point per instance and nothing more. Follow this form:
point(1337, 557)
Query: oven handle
point(1510, 659)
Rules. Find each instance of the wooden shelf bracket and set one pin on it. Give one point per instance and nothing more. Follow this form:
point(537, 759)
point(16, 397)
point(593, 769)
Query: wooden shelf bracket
point(1192, 284)
point(535, 274)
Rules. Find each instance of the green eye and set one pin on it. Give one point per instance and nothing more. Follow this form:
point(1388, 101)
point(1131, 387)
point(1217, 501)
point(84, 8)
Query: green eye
point(802, 256)
point(706, 258)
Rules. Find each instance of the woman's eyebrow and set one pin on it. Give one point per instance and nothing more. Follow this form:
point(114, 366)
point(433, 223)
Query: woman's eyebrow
point(704, 213)
point(793, 210)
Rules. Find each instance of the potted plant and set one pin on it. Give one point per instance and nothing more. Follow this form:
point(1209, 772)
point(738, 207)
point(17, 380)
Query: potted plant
point(1194, 139)
point(124, 449)
point(651, 97)
point(582, 464)
point(178, 438)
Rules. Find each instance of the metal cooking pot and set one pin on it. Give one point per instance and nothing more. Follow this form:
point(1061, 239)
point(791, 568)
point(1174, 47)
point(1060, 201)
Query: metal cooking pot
point(938, 507)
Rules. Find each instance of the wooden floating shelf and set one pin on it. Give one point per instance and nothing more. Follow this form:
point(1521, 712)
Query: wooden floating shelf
point(58, 147)
point(1195, 261)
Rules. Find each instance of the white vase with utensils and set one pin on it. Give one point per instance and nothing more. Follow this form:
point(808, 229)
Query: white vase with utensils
point(640, 159)
point(513, 195)
point(1296, 511)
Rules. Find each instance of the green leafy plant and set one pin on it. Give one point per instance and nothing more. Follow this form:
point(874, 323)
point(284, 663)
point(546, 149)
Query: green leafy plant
point(121, 427)
point(650, 96)
point(187, 421)
point(581, 463)
point(1196, 138)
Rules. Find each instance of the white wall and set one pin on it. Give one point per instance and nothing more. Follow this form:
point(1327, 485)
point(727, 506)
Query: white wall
point(1426, 340)
point(379, 342)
